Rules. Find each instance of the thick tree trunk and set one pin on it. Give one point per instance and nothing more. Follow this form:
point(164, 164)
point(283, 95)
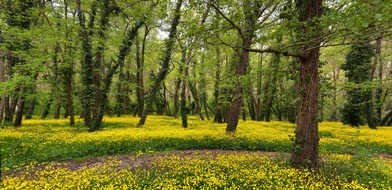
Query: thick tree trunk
point(305, 153)
point(236, 105)
point(19, 112)
point(7, 110)
point(104, 21)
point(123, 52)
point(164, 66)
point(248, 33)
point(87, 69)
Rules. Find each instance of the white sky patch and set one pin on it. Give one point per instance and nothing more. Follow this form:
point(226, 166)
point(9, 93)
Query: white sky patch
point(162, 34)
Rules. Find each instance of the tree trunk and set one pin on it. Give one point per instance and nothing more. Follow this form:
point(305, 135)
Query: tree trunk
point(258, 111)
point(379, 89)
point(123, 52)
point(19, 112)
point(335, 75)
point(2, 79)
point(248, 33)
point(8, 113)
point(87, 69)
point(305, 153)
point(164, 66)
point(177, 87)
point(68, 71)
point(139, 76)
point(270, 88)
point(218, 107)
point(30, 111)
point(45, 113)
point(2, 104)
point(196, 98)
point(104, 21)
point(57, 110)
point(119, 105)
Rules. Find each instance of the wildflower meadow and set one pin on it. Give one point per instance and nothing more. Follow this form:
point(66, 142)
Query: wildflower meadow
point(42, 155)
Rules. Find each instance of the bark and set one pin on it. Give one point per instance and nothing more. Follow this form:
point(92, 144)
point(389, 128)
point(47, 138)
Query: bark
point(258, 112)
point(192, 88)
point(217, 105)
point(139, 78)
point(47, 108)
point(68, 72)
point(251, 100)
point(123, 52)
point(2, 104)
point(379, 91)
point(203, 93)
point(270, 89)
point(57, 110)
point(30, 110)
point(335, 75)
point(103, 25)
point(248, 33)
point(2, 79)
point(19, 111)
point(305, 153)
point(177, 87)
point(87, 68)
point(387, 120)
point(8, 113)
point(185, 73)
point(119, 105)
point(164, 65)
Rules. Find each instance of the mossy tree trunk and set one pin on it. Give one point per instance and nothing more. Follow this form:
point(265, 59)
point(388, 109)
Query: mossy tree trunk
point(87, 68)
point(305, 152)
point(123, 52)
point(164, 65)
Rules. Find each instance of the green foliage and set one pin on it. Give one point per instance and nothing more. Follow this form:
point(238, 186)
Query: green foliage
point(357, 67)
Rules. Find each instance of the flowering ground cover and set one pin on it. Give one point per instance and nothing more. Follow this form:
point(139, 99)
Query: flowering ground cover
point(352, 158)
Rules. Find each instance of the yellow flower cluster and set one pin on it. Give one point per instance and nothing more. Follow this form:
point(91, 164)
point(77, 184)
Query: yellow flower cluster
point(222, 171)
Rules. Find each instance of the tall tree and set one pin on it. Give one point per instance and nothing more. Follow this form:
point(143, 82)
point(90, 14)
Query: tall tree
point(164, 65)
point(305, 153)
point(358, 68)
point(87, 68)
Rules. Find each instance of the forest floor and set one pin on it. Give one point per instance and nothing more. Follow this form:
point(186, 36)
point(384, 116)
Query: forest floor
point(144, 161)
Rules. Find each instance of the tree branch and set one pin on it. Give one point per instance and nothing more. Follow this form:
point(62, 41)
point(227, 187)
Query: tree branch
point(240, 32)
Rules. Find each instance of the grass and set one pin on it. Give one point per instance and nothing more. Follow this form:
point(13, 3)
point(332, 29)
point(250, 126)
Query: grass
point(350, 154)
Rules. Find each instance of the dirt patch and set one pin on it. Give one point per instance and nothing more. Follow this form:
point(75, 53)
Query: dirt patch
point(387, 158)
point(143, 161)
